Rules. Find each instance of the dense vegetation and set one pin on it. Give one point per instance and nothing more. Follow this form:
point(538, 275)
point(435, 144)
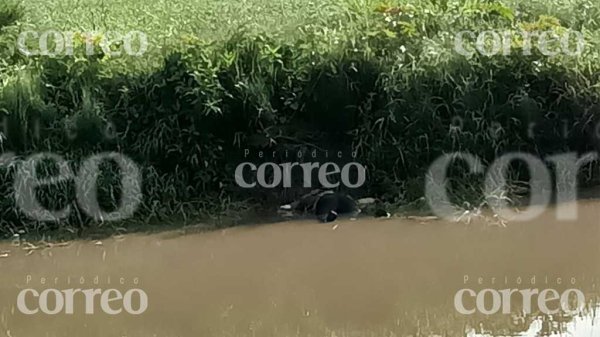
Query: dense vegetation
point(381, 79)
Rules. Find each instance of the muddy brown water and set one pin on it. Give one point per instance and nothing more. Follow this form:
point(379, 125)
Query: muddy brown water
point(369, 277)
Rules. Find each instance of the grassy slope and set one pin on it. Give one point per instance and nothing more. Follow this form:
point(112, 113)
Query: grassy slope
point(412, 82)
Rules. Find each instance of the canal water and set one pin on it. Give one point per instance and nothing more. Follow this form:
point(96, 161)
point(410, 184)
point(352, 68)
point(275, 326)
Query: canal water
point(364, 277)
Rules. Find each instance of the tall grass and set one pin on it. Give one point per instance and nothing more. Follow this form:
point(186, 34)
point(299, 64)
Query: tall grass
point(381, 79)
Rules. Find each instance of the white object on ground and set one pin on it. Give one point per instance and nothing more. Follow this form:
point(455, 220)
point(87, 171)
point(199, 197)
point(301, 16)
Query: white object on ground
point(366, 201)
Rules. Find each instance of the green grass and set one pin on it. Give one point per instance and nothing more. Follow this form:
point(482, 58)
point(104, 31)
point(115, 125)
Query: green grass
point(211, 19)
point(168, 19)
point(382, 79)
point(169, 24)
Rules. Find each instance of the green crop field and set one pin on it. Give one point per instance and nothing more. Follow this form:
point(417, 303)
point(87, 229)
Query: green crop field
point(165, 19)
point(217, 18)
point(170, 24)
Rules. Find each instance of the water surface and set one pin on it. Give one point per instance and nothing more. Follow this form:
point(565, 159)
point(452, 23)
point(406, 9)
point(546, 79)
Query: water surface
point(370, 277)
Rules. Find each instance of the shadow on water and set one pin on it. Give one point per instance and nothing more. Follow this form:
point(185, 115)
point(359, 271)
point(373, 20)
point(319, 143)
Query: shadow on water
point(370, 277)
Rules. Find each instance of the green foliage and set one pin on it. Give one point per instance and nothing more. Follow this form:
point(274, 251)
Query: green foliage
point(381, 79)
point(10, 12)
